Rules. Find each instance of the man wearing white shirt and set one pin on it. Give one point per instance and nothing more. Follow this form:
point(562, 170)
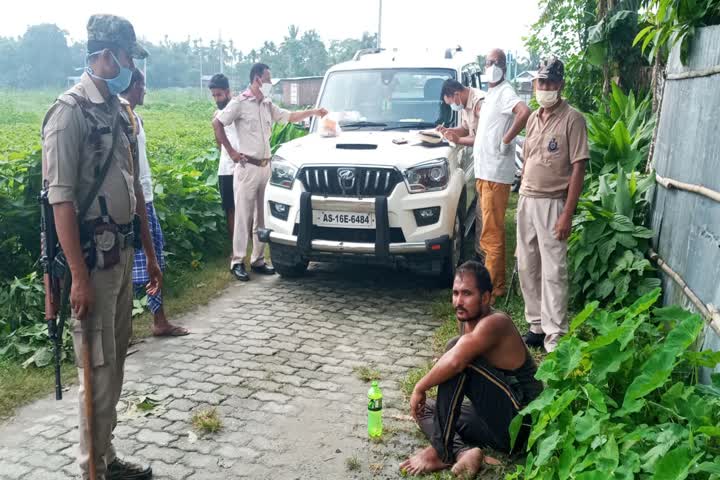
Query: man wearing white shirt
point(220, 90)
point(133, 96)
point(502, 116)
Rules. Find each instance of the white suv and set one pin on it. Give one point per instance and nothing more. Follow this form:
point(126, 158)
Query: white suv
point(364, 196)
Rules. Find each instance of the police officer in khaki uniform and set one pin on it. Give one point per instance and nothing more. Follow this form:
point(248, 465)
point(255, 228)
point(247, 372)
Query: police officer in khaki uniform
point(82, 132)
point(555, 151)
point(253, 113)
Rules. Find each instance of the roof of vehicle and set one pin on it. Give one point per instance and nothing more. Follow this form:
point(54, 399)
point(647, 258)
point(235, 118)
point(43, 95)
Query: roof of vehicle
point(429, 58)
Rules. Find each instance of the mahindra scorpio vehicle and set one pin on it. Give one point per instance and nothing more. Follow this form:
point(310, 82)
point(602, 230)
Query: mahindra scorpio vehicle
point(374, 193)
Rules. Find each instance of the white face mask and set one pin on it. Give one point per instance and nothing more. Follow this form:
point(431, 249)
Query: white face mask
point(266, 89)
point(456, 107)
point(493, 73)
point(547, 98)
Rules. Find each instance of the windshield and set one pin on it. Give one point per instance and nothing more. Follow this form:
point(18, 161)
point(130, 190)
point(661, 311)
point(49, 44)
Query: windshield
point(387, 98)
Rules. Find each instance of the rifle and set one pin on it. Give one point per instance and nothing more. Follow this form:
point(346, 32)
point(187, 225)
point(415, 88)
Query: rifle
point(57, 290)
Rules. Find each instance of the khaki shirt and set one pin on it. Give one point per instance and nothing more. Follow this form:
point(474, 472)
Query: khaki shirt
point(550, 149)
point(470, 114)
point(70, 163)
point(253, 121)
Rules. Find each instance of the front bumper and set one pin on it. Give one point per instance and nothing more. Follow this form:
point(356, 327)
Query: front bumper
point(329, 246)
point(381, 248)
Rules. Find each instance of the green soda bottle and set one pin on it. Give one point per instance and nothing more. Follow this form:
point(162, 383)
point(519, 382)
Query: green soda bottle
point(375, 410)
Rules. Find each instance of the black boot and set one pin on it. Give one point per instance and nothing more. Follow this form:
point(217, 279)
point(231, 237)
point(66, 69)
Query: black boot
point(533, 339)
point(263, 269)
point(122, 470)
point(238, 270)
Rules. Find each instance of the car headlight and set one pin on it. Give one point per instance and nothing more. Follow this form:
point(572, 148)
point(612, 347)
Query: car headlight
point(283, 172)
point(428, 176)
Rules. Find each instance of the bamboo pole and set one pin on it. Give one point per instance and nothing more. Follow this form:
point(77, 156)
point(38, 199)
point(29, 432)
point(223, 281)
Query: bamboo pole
point(705, 72)
point(710, 312)
point(670, 183)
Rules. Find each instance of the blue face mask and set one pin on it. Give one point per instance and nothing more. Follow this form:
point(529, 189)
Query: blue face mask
point(456, 107)
point(115, 85)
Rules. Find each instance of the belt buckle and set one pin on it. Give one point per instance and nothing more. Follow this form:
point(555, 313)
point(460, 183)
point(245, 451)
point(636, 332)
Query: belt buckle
point(264, 162)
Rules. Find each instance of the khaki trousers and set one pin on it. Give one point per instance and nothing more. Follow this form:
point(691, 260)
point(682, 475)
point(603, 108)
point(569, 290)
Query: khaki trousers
point(493, 200)
point(110, 328)
point(249, 186)
point(542, 267)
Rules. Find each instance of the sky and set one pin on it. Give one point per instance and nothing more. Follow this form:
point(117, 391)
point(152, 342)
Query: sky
point(476, 25)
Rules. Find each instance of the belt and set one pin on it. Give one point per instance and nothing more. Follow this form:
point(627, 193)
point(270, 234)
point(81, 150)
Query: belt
point(257, 162)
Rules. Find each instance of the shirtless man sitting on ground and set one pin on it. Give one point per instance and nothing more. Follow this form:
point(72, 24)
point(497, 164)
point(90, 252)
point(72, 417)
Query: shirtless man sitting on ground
point(491, 366)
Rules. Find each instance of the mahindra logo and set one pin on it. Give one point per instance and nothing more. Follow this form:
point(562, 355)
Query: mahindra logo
point(346, 177)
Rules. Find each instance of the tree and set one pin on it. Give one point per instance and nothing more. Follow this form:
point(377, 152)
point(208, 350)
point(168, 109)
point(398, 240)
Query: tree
point(314, 55)
point(343, 50)
point(9, 56)
point(45, 59)
point(562, 30)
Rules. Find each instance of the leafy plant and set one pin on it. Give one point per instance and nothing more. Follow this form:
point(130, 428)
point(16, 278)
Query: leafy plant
point(606, 248)
point(285, 133)
point(620, 133)
point(673, 22)
point(619, 403)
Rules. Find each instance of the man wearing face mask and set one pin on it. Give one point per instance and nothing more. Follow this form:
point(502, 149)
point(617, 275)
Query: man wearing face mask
point(93, 186)
point(253, 114)
point(555, 152)
point(220, 90)
point(502, 117)
point(466, 101)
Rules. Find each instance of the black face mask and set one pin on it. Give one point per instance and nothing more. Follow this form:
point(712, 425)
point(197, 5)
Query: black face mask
point(223, 104)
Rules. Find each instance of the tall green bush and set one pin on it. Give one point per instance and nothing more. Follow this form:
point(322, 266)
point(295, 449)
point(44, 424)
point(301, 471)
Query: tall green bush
point(620, 402)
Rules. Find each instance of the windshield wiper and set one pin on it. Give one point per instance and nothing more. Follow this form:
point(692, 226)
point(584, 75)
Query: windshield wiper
point(362, 124)
point(411, 125)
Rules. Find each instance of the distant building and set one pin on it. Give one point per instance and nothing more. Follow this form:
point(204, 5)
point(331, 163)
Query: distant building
point(297, 91)
point(524, 84)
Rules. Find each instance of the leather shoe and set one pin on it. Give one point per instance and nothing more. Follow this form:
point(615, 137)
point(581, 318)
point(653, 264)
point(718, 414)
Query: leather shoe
point(263, 270)
point(238, 270)
point(122, 470)
point(533, 339)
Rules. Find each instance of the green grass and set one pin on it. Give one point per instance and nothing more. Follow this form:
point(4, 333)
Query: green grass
point(206, 421)
point(353, 464)
point(19, 385)
point(367, 373)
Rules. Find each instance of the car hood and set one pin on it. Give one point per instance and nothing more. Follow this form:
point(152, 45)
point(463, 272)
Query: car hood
point(361, 148)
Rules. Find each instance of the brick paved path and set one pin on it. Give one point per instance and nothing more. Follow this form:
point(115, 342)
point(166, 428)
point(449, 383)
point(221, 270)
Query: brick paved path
point(276, 357)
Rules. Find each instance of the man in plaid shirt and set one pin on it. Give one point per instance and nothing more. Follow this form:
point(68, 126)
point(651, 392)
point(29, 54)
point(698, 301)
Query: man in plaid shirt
point(133, 96)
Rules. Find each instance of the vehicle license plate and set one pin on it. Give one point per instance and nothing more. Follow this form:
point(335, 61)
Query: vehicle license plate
point(324, 218)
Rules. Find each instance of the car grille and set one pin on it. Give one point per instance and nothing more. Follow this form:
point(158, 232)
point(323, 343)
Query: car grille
point(349, 181)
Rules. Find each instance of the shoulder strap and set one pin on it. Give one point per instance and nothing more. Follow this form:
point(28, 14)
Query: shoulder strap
point(90, 198)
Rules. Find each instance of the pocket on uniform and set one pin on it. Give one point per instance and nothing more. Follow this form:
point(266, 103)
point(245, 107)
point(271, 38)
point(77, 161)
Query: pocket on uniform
point(97, 356)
